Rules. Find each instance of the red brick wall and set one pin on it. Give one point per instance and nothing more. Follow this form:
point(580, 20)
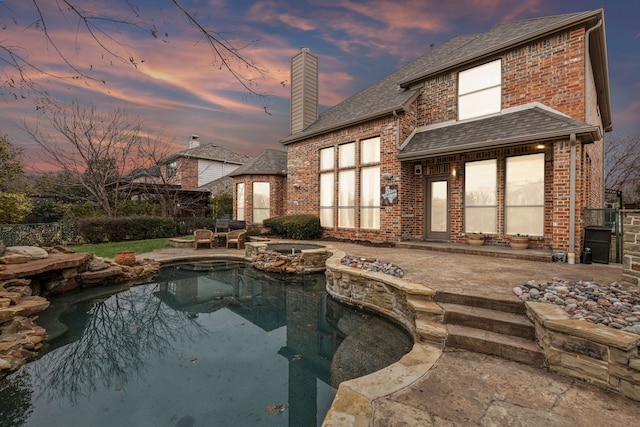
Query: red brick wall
point(277, 194)
point(187, 173)
point(550, 71)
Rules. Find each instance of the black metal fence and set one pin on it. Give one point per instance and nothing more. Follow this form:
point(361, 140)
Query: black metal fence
point(44, 234)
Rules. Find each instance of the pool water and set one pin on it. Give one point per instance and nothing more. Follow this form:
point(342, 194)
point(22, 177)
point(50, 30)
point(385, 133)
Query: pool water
point(205, 344)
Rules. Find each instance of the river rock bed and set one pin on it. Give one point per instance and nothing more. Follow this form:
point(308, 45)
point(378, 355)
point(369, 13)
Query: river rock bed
point(614, 305)
point(371, 264)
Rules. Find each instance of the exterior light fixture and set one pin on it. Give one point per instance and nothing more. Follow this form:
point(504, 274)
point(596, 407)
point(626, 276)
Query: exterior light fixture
point(541, 146)
point(296, 185)
point(387, 176)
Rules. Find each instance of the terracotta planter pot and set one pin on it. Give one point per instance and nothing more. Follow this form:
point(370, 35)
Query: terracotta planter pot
point(475, 240)
point(125, 258)
point(519, 242)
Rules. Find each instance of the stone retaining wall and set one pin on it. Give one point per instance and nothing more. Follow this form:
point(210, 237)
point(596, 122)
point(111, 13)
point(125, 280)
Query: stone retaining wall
point(595, 353)
point(631, 247)
point(598, 354)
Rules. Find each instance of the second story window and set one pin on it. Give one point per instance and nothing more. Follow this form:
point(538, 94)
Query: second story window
point(480, 90)
point(172, 169)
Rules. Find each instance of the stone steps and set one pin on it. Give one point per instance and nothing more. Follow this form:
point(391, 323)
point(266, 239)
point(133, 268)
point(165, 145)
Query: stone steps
point(480, 324)
point(509, 347)
point(500, 322)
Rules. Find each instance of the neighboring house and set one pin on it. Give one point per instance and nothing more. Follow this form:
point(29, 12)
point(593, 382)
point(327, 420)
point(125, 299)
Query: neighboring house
point(260, 187)
point(200, 164)
point(499, 133)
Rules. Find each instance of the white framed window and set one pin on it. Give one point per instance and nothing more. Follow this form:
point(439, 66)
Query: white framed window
point(240, 201)
point(327, 197)
point(370, 151)
point(326, 159)
point(370, 198)
point(480, 90)
point(347, 198)
point(172, 169)
point(261, 201)
point(480, 196)
point(347, 155)
point(524, 195)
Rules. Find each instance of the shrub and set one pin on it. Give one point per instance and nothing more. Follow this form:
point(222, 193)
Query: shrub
point(14, 207)
point(119, 229)
point(222, 205)
point(300, 227)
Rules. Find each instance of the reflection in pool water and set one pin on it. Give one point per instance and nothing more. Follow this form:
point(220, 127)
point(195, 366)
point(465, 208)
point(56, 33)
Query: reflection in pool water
point(206, 344)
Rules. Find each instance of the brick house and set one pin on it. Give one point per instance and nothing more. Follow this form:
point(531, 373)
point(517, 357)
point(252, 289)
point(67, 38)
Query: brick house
point(499, 133)
point(260, 187)
point(199, 165)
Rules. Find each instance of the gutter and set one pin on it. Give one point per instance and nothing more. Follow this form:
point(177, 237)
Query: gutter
point(571, 256)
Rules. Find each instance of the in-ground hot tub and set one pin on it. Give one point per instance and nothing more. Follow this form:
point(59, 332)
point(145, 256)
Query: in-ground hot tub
point(288, 255)
point(291, 248)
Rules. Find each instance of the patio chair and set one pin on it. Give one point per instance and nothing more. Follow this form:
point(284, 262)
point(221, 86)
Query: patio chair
point(201, 237)
point(237, 238)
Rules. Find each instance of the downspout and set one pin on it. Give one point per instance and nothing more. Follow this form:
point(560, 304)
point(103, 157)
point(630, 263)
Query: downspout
point(395, 114)
point(571, 256)
point(587, 104)
point(572, 141)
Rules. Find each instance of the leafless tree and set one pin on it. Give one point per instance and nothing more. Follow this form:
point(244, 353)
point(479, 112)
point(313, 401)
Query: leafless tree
point(95, 150)
point(101, 23)
point(622, 167)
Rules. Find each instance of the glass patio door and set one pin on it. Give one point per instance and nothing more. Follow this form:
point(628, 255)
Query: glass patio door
point(437, 209)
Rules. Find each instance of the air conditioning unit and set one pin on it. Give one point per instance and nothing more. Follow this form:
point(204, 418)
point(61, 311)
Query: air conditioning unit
point(417, 169)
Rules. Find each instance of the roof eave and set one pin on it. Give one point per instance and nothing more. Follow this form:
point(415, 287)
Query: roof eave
point(586, 16)
point(401, 107)
point(592, 133)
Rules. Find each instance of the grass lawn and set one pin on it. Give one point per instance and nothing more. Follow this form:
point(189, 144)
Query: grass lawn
point(109, 250)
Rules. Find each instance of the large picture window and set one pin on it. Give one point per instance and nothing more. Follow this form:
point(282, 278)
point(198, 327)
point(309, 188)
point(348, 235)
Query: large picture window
point(261, 201)
point(240, 202)
point(347, 199)
point(480, 196)
point(327, 193)
point(524, 195)
point(370, 198)
point(480, 90)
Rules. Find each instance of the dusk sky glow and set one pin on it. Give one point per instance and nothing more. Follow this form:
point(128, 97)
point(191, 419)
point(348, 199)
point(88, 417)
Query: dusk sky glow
point(177, 91)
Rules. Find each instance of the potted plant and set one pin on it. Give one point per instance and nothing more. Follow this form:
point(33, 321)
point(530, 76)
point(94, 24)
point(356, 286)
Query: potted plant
point(519, 241)
point(475, 239)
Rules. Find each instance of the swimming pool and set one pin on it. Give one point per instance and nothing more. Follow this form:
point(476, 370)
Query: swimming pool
point(206, 344)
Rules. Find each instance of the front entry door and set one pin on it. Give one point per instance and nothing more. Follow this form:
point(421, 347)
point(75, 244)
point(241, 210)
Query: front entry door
point(437, 209)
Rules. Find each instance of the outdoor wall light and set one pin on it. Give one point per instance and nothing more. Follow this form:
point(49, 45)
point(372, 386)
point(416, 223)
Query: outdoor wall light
point(541, 146)
point(296, 185)
point(454, 172)
point(387, 176)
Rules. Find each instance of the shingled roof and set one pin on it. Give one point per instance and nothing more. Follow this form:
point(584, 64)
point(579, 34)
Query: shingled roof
point(210, 152)
point(269, 162)
point(532, 122)
point(397, 90)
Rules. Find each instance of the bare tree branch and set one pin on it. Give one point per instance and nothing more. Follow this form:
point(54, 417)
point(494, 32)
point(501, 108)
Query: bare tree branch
point(95, 25)
point(622, 170)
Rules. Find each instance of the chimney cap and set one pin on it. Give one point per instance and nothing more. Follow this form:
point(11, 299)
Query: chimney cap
point(194, 136)
point(305, 48)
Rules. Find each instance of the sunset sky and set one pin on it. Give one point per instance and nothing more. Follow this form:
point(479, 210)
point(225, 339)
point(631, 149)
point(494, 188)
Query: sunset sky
point(177, 89)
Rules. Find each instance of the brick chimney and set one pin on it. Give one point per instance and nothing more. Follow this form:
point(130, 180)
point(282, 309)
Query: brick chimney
point(194, 141)
point(304, 90)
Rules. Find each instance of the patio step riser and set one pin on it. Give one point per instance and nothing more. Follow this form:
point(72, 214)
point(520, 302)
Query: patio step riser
point(516, 307)
point(489, 320)
point(511, 348)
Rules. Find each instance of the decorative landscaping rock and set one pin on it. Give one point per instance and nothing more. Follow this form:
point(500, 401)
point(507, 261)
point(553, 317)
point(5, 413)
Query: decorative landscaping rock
point(616, 306)
point(33, 252)
point(371, 264)
point(11, 258)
